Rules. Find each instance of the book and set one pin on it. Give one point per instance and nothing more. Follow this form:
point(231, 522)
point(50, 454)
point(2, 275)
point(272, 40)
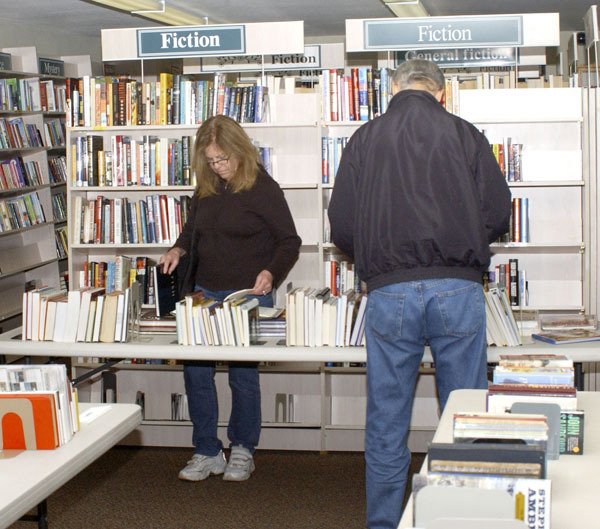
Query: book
point(567, 322)
point(501, 397)
point(508, 459)
point(165, 290)
point(571, 432)
point(534, 360)
point(29, 420)
point(239, 294)
point(568, 337)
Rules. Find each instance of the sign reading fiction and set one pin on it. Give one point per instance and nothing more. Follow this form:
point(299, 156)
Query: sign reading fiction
point(438, 32)
point(462, 57)
point(191, 41)
point(309, 60)
point(5, 61)
point(53, 67)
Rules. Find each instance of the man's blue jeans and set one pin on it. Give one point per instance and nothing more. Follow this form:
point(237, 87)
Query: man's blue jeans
point(449, 314)
point(245, 419)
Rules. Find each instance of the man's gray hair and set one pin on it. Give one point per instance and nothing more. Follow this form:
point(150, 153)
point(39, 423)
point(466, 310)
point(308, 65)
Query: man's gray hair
point(420, 74)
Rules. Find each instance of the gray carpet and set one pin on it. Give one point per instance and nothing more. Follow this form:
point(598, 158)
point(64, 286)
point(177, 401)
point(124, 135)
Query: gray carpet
point(137, 488)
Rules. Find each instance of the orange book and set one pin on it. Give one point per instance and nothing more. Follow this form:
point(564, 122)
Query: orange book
point(28, 421)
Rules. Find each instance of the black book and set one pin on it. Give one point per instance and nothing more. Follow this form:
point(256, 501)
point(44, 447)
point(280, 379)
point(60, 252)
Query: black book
point(165, 290)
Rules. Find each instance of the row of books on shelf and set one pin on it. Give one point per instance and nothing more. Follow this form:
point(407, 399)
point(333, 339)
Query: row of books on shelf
point(501, 325)
point(171, 100)
point(146, 161)
point(519, 229)
point(80, 315)
point(119, 273)
point(38, 407)
point(331, 154)
point(340, 276)
point(15, 173)
point(316, 317)
point(31, 95)
point(16, 134)
point(360, 94)
point(59, 206)
point(57, 169)
point(508, 155)
point(61, 235)
point(54, 132)
point(156, 219)
point(205, 321)
point(21, 212)
point(513, 279)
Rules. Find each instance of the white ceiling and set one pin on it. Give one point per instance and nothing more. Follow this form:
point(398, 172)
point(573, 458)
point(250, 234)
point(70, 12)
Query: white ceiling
point(321, 17)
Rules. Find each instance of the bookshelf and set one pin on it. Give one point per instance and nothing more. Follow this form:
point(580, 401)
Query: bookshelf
point(549, 124)
point(294, 132)
point(31, 194)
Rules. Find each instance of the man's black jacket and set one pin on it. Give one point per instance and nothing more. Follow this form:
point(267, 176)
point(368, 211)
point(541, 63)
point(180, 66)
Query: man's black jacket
point(418, 195)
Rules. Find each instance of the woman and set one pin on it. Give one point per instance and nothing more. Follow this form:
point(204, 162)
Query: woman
point(239, 234)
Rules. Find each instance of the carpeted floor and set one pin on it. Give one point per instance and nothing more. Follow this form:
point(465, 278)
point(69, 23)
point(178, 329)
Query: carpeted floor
point(137, 488)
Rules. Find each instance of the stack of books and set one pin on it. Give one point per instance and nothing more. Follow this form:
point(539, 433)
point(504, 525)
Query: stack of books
point(567, 328)
point(532, 379)
point(541, 379)
point(38, 407)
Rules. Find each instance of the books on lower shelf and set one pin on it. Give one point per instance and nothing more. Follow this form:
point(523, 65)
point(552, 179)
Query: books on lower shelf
point(83, 315)
point(501, 326)
point(38, 407)
point(205, 321)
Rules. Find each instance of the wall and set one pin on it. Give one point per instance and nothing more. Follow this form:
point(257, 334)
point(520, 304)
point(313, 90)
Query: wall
point(50, 41)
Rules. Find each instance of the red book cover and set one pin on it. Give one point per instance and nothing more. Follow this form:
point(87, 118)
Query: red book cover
point(28, 421)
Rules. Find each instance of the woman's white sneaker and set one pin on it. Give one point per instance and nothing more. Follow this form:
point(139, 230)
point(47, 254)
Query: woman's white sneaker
point(240, 466)
point(200, 467)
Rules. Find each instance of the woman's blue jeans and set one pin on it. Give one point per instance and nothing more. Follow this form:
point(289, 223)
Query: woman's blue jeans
point(449, 314)
point(245, 419)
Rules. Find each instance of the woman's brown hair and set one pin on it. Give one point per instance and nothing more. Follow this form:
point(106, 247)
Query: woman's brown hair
point(231, 138)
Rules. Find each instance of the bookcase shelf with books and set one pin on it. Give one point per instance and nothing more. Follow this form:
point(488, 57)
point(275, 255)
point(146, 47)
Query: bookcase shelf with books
point(549, 183)
point(31, 145)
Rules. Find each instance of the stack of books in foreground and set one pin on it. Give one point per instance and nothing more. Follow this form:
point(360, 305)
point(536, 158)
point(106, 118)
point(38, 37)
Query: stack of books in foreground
point(80, 315)
point(38, 407)
point(531, 417)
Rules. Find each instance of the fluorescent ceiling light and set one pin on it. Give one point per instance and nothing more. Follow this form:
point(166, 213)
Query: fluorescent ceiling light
point(406, 8)
point(148, 9)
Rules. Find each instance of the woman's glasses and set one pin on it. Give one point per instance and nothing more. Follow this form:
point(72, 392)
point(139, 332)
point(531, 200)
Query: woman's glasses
point(218, 161)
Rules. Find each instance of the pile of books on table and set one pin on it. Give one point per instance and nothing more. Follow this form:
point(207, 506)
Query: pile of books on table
point(498, 458)
point(38, 407)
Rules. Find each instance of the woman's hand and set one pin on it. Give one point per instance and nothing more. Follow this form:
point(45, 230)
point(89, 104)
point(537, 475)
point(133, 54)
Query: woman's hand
point(263, 284)
point(170, 260)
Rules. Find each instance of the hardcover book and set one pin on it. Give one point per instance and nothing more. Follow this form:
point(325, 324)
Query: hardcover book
point(165, 291)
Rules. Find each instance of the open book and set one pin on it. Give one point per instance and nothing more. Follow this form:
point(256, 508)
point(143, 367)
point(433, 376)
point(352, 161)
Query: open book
point(239, 294)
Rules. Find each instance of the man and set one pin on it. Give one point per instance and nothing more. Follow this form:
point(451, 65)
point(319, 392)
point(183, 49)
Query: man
point(417, 199)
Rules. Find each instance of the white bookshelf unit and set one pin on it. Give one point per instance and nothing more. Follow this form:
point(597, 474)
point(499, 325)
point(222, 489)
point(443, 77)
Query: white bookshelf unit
point(28, 250)
point(549, 123)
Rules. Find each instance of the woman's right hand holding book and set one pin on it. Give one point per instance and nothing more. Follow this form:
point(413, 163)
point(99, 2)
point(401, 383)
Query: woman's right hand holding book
point(170, 259)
